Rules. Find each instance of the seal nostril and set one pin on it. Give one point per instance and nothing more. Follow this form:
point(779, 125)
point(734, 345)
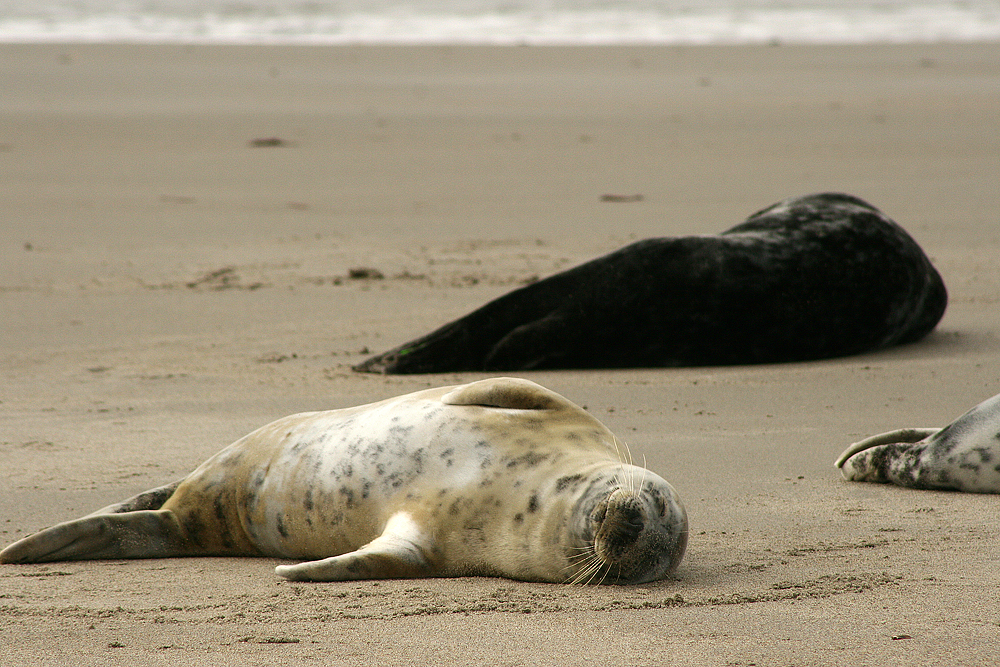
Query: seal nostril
point(633, 517)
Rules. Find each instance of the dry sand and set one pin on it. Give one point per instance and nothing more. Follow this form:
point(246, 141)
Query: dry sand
point(166, 287)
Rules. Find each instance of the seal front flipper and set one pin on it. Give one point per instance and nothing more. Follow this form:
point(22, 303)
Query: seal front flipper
point(395, 554)
point(142, 534)
point(510, 393)
point(530, 345)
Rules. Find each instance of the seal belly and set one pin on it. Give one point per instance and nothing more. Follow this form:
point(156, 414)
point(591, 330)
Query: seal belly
point(335, 478)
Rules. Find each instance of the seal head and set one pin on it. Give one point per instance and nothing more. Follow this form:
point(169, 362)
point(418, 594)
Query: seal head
point(638, 535)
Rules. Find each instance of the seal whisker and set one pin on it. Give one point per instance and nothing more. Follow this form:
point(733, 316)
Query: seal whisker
point(618, 451)
point(575, 579)
point(592, 570)
point(589, 563)
point(642, 480)
point(582, 557)
point(620, 477)
point(631, 462)
point(628, 451)
point(626, 479)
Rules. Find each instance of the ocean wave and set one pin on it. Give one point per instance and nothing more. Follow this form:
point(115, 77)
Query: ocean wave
point(496, 22)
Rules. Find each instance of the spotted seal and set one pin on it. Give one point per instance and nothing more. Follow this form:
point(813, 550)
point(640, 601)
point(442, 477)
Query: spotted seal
point(500, 477)
point(813, 277)
point(963, 456)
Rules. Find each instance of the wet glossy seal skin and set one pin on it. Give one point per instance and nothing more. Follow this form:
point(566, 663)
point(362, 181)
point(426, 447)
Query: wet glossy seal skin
point(814, 277)
point(500, 477)
point(963, 456)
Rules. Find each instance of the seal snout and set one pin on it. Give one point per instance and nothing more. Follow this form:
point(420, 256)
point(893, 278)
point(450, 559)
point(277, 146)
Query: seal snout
point(630, 524)
point(638, 534)
point(618, 524)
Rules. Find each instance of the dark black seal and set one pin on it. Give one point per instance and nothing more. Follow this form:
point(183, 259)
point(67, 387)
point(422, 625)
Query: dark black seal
point(813, 277)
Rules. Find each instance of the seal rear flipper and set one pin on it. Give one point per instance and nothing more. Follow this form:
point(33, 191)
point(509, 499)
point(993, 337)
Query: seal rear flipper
point(142, 534)
point(147, 500)
point(395, 554)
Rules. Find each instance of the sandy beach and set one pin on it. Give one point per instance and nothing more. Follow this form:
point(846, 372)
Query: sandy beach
point(182, 233)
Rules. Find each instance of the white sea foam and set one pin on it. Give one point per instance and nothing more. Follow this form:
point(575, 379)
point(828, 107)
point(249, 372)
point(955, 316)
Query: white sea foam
point(501, 21)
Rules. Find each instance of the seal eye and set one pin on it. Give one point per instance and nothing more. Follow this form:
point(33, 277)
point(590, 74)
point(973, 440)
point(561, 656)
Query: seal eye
point(661, 505)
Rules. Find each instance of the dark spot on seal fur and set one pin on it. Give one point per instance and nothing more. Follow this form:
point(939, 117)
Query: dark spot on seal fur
point(570, 480)
point(533, 503)
point(282, 530)
point(348, 496)
point(518, 518)
point(530, 459)
point(194, 528)
point(220, 509)
point(225, 536)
